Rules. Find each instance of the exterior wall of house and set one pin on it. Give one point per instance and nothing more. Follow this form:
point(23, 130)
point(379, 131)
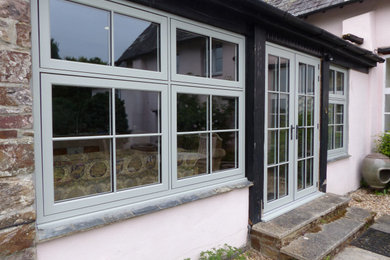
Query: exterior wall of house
point(368, 20)
point(17, 215)
point(177, 233)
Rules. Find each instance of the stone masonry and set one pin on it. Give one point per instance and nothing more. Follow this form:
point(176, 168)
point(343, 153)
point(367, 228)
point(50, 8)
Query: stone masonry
point(17, 215)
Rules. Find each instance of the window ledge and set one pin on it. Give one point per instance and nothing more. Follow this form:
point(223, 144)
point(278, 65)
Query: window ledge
point(57, 229)
point(338, 158)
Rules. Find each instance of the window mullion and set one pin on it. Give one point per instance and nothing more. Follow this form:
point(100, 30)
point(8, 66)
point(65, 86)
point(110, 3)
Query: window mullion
point(111, 51)
point(113, 157)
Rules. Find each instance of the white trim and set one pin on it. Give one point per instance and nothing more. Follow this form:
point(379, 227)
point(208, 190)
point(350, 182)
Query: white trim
point(386, 91)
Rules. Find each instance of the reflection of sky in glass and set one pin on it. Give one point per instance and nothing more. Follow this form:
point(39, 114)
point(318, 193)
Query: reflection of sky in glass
point(80, 30)
point(126, 31)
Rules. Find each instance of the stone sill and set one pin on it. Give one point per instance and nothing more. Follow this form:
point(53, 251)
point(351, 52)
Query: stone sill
point(338, 158)
point(61, 228)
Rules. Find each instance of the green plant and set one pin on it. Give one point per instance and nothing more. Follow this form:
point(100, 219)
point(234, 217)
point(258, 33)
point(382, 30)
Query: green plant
point(383, 144)
point(227, 252)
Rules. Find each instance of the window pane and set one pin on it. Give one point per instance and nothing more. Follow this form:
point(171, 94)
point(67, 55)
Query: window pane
point(284, 75)
point(387, 103)
point(302, 78)
point(224, 112)
point(79, 33)
point(301, 110)
point(192, 155)
point(301, 174)
point(388, 73)
point(81, 168)
point(284, 110)
point(301, 142)
point(339, 132)
point(310, 111)
point(331, 114)
point(339, 114)
point(272, 179)
point(192, 112)
point(80, 111)
point(310, 79)
point(283, 145)
point(309, 141)
point(309, 172)
point(192, 57)
point(137, 43)
point(331, 81)
point(273, 110)
point(273, 73)
point(340, 83)
point(330, 137)
point(387, 122)
point(225, 151)
point(137, 111)
point(272, 147)
point(137, 161)
point(283, 180)
point(224, 60)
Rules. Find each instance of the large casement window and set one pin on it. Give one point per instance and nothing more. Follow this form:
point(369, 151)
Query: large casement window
point(386, 91)
point(135, 105)
point(337, 113)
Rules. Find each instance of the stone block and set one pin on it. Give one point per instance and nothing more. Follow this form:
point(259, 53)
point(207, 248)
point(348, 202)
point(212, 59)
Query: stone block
point(23, 32)
point(15, 96)
point(16, 201)
point(15, 239)
point(15, 67)
point(16, 159)
point(16, 121)
point(8, 134)
point(15, 9)
point(7, 31)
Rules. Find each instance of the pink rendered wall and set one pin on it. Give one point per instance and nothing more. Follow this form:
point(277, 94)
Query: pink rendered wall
point(369, 20)
point(177, 233)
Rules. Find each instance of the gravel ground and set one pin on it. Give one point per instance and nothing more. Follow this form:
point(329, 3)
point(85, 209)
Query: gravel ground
point(368, 199)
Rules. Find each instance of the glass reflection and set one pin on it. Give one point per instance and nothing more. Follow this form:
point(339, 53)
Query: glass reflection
point(137, 112)
point(283, 180)
point(192, 112)
point(331, 81)
point(284, 75)
point(224, 151)
point(80, 111)
point(138, 161)
point(273, 110)
point(340, 83)
point(192, 155)
point(192, 55)
point(81, 168)
point(273, 73)
point(302, 78)
point(79, 32)
point(136, 43)
point(224, 60)
point(271, 183)
point(301, 174)
point(272, 146)
point(224, 112)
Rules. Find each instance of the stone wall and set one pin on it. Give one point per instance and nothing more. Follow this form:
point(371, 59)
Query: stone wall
point(17, 215)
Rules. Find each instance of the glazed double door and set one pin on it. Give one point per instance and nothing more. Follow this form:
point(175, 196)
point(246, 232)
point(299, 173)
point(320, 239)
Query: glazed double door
point(291, 127)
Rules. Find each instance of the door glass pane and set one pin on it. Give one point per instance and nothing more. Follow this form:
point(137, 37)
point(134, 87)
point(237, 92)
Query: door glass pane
point(81, 168)
point(192, 155)
point(331, 82)
point(80, 111)
point(301, 142)
point(192, 55)
point(273, 110)
point(284, 75)
point(284, 110)
point(225, 151)
point(192, 112)
point(309, 141)
point(79, 32)
point(273, 73)
point(339, 83)
point(283, 145)
point(301, 174)
point(272, 147)
point(224, 60)
point(301, 110)
point(302, 78)
point(224, 114)
point(310, 111)
point(283, 180)
point(138, 161)
point(272, 183)
point(310, 79)
point(137, 112)
point(136, 43)
point(309, 172)
point(339, 132)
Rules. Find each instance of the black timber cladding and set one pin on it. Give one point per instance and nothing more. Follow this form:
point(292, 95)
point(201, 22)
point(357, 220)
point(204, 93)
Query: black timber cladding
point(260, 22)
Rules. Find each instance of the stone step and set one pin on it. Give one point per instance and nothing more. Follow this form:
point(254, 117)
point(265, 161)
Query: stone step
point(328, 237)
point(269, 237)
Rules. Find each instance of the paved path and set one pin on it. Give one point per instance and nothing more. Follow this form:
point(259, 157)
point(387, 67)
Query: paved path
point(374, 244)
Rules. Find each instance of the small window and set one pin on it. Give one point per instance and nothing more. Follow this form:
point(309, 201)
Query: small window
point(337, 113)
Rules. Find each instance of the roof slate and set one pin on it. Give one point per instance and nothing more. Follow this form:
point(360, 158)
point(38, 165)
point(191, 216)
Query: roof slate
point(301, 7)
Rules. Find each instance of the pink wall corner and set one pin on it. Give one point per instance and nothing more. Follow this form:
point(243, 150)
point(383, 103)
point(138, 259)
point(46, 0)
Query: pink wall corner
point(177, 233)
point(362, 26)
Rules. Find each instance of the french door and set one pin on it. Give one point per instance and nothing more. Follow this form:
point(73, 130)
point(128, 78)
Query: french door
point(291, 128)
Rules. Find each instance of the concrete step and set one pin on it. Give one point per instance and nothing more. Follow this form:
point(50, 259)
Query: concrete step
point(328, 237)
point(269, 237)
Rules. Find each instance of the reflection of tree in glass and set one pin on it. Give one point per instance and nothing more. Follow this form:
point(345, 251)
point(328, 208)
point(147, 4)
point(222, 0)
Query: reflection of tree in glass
point(80, 111)
point(192, 112)
point(224, 113)
point(55, 50)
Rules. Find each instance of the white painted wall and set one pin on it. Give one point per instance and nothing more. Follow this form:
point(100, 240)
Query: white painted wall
point(177, 233)
point(369, 20)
